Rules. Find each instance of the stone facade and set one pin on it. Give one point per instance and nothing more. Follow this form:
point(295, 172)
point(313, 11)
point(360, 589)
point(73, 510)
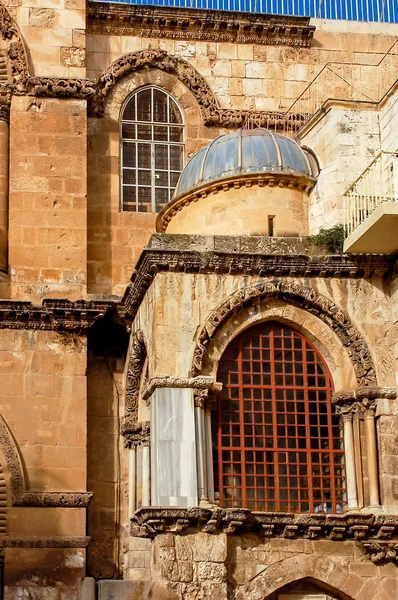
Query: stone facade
point(111, 334)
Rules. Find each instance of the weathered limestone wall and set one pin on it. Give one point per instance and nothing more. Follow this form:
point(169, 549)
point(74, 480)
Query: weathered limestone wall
point(389, 123)
point(247, 76)
point(250, 566)
point(43, 402)
point(54, 33)
point(345, 140)
point(47, 204)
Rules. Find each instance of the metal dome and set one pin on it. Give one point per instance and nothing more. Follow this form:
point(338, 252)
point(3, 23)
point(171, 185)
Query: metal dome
point(246, 151)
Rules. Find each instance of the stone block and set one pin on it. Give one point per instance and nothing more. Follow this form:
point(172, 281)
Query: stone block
point(123, 590)
point(215, 572)
point(42, 17)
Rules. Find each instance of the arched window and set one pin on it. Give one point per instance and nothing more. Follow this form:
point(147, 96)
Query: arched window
point(277, 446)
point(152, 150)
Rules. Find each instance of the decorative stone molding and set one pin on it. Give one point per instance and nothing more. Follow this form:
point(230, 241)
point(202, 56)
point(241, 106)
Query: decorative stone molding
point(16, 53)
point(137, 358)
point(304, 297)
point(55, 87)
point(381, 552)
point(22, 497)
point(201, 382)
point(52, 315)
point(55, 499)
point(5, 102)
point(355, 526)
point(271, 179)
point(239, 262)
point(206, 398)
point(30, 541)
point(212, 114)
point(195, 24)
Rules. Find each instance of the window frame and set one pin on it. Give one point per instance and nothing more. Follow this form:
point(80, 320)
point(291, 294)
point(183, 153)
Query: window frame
point(153, 143)
point(217, 423)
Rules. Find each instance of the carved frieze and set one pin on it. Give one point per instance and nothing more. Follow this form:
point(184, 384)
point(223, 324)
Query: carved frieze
point(195, 24)
point(52, 315)
point(363, 399)
point(55, 87)
point(201, 382)
point(137, 358)
point(381, 552)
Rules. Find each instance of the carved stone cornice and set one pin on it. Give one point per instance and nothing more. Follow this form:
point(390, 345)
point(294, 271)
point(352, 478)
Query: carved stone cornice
point(166, 381)
point(55, 499)
point(357, 527)
point(196, 24)
point(52, 315)
point(207, 260)
point(30, 541)
point(283, 180)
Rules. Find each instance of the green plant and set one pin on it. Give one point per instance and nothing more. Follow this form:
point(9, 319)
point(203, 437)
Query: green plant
point(331, 239)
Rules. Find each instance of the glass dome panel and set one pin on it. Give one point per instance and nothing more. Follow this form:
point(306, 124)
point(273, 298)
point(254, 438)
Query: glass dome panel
point(222, 158)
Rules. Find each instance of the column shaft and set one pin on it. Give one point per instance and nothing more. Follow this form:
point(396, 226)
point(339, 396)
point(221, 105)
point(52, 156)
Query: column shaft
point(352, 498)
point(200, 453)
point(132, 481)
point(371, 451)
point(146, 481)
point(209, 456)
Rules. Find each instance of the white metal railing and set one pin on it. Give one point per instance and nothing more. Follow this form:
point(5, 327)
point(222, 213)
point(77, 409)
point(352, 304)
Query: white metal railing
point(344, 81)
point(377, 184)
point(349, 10)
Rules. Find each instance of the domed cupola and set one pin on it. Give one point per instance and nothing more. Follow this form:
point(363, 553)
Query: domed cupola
point(241, 182)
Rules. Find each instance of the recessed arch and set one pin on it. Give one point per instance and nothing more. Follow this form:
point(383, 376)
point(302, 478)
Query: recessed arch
point(294, 294)
point(320, 570)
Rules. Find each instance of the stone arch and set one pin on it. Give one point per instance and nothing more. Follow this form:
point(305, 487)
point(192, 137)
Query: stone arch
point(155, 59)
point(319, 570)
point(10, 451)
point(15, 49)
point(297, 295)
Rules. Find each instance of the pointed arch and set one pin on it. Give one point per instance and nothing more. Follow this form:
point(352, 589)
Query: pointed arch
point(296, 295)
point(9, 448)
point(319, 570)
point(16, 52)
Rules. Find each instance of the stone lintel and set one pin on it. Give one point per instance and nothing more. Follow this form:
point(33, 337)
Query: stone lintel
point(198, 24)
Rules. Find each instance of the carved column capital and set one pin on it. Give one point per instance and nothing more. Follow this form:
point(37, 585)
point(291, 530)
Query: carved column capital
point(135, 434)
point(206, 398)
point(345, 404)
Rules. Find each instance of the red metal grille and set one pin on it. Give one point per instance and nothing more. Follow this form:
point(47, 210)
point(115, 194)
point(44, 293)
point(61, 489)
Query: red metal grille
point(277, 445)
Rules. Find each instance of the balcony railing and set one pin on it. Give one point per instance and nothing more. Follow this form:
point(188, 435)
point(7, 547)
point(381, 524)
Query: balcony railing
point(376, 185)
point(382, 11)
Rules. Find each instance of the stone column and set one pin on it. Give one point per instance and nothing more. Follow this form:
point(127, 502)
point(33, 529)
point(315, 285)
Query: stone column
point(368, 408)
point(4, 161)
point(146, 475)
point(132, 481)
point(201, 463)
point(345, 404)
point(209, 455)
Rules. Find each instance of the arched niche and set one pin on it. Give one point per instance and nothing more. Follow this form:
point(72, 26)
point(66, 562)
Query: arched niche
point(304, 303)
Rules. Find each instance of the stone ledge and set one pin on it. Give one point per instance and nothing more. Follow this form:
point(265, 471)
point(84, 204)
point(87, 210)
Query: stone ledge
point(198, 24)
point(31, 541)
